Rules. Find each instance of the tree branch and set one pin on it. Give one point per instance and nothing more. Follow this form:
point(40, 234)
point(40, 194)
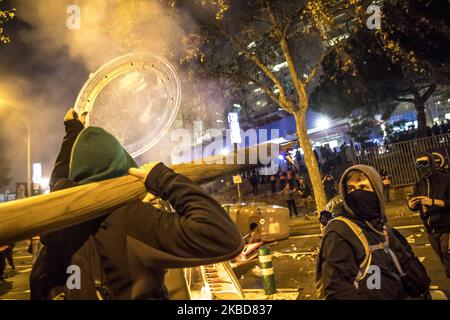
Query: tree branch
point(252, 56)
point(429, 92)
point(316, 67)
point(404, 100)
point(299, 85)
point(286, 105)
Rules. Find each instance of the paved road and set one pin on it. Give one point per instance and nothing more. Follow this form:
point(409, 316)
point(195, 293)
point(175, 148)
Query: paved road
point(16, 287)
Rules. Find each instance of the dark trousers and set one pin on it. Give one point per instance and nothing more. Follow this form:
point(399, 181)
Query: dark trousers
point(273, 185)
point(440, 244)
point(386, 192)
point(282, 184)
point(292, 208)
point(9, 256)
point(255, 189)
point(2, 264)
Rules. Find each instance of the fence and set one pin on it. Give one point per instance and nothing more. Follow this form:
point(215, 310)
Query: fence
point(5, 197)
point(398, 159)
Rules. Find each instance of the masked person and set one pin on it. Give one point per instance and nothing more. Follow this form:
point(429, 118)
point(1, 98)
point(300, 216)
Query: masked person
point(304, 192)
point(329, 186)
point(360, 256)
point(290, 194)
point(124, 254)
point(432, 198)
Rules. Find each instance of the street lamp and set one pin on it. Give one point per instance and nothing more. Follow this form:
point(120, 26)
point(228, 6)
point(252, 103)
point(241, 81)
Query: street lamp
point(28, 145)
point(323, 123)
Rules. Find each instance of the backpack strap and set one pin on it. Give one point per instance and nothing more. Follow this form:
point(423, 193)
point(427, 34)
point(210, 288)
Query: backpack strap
point(365, 264)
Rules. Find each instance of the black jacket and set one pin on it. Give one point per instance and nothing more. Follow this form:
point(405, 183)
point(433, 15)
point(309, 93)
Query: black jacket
point(303, 190)
point(136, 241)
point(341, 252)
point(339, 260)
point(436, 219)
point(330, 189)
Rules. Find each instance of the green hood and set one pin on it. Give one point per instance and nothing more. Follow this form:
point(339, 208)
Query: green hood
point(96, 156)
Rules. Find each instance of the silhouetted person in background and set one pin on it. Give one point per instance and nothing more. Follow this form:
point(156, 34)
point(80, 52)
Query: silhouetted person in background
point(432, 199)
point(254, 182)
point(330, 186)
point(283, 182)
point(304, 192)
point(436, 129)
point(386, 183)
point(289, 193)
point(273, 183)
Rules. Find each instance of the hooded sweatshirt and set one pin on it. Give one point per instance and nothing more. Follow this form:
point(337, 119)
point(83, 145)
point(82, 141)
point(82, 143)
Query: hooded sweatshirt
point(97, 156)
point(341, 251)
point(377, 185)
point(437, 186)
point(136, 242)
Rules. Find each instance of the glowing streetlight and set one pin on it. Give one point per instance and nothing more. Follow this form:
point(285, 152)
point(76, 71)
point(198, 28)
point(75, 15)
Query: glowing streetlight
point(323, 123)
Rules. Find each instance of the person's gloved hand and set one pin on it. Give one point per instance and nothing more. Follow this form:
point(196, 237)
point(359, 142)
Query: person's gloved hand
point(72, 114)
point(143, 171)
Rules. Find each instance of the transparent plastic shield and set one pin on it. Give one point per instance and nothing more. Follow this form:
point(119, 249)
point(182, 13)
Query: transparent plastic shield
point(135, 97)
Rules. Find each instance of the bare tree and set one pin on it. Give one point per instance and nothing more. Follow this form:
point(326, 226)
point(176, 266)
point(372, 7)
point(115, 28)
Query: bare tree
point(252, 41)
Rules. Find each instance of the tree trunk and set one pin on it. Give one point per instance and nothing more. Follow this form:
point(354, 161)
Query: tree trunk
point(421, 119)
point(419, 104)
point(310, 160)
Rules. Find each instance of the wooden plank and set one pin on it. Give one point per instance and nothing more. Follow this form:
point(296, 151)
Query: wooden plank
point(24, 218)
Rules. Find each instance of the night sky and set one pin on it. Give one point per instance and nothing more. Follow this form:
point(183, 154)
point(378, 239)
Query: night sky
point(41, 85)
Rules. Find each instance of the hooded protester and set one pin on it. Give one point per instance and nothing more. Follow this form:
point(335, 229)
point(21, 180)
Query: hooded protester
point(360, 256)
point(129, 248)
point(432, 198)
point(289, 194)
point(329, 186)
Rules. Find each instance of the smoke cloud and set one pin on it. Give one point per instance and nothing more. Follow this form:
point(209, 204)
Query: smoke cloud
point(50, 58)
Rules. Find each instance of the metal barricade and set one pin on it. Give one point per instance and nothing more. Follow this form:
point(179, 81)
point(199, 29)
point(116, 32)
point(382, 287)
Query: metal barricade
point(398, 159)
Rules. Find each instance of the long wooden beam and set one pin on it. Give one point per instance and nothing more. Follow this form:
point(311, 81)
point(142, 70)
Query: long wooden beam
point(24, 218)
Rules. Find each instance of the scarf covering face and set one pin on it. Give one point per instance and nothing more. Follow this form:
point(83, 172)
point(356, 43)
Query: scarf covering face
point(372, 204)
point(364, 204)
point(97, 155)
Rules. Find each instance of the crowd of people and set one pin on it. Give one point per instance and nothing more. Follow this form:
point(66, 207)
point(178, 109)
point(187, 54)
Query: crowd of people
point(410, 132)
point(292, 182)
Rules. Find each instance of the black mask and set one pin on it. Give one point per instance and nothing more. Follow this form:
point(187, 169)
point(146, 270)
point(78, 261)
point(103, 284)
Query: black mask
point(424, 169)
point(364, 204)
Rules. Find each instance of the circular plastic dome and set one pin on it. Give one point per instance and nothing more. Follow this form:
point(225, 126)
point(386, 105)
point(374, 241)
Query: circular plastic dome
point(135, 97)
